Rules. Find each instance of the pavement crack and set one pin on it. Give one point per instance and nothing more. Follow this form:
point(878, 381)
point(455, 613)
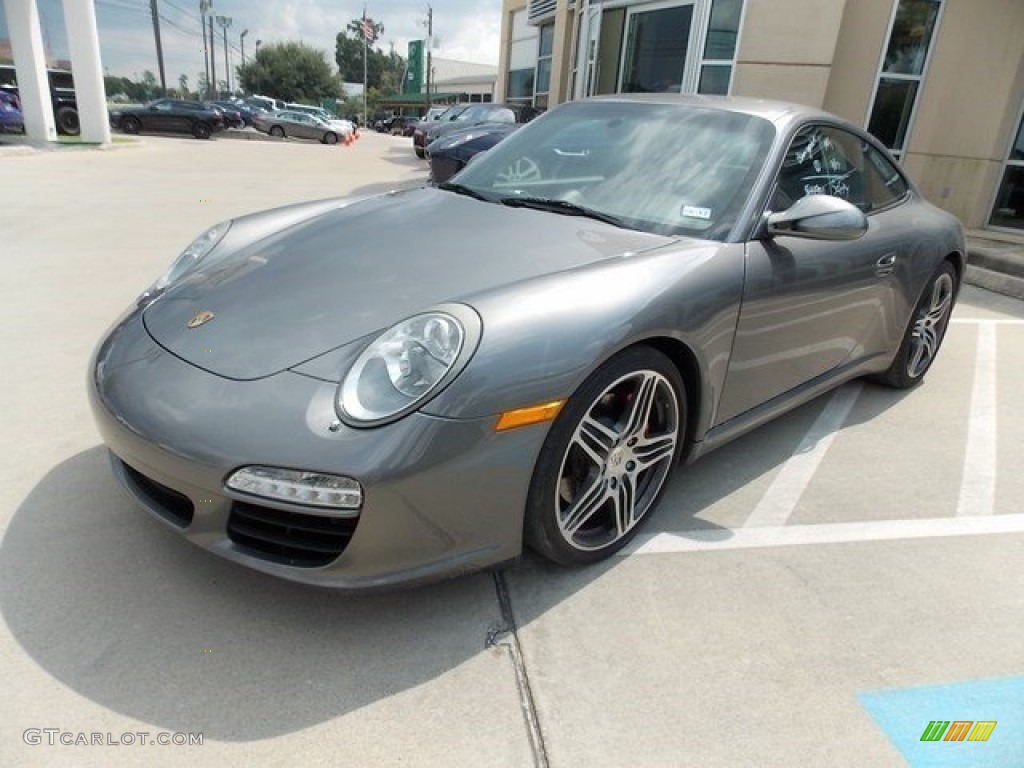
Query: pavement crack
point(507, 635)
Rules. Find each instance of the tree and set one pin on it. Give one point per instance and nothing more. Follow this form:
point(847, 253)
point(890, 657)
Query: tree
point(290, 71)
point(383, 71)
point(183, 85)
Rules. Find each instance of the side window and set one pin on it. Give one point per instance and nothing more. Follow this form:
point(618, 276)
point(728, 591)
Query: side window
point(801, 169)
point(822, 161)
point(885, 184)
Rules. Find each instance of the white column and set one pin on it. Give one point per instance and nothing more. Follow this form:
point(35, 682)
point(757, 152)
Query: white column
point(30, 63)
point(84, 50)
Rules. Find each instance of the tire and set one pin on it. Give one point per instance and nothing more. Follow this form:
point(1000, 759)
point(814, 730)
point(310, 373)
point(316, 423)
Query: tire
point(201, 131)
point(67, 121)
point(330, 138)
point(420, 153)
point(131, 124)
point(605, 462)
point(925, 332)
point(277, 130)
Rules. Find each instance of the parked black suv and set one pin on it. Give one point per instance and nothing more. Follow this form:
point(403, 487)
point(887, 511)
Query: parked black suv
point(62, 96)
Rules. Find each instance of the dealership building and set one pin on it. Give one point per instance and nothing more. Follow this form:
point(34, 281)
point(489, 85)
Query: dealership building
point(940, 82)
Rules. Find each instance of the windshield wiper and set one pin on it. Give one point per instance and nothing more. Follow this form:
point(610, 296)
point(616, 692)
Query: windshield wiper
point(462, 189)
point(561, 206)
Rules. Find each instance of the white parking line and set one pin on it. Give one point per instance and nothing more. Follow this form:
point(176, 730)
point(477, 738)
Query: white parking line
point(986, 321)
point(704, 540)
point(978, 486)
point(782, 495)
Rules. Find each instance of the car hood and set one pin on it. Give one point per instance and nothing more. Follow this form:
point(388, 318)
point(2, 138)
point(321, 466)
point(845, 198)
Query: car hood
point(354, 271)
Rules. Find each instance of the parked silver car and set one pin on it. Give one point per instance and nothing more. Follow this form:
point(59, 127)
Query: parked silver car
point(298, 125)
point(354, 392)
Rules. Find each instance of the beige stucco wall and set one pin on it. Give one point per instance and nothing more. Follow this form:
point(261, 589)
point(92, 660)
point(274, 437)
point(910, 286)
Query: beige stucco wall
point(508, 7)
point(562, 55)
point(786, 49)
point(969, 106)
point(804, 84)
point(858, 51)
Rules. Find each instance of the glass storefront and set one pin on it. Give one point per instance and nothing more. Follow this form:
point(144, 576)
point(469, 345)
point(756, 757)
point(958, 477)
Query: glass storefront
point(1008, 210)
point(902, 70)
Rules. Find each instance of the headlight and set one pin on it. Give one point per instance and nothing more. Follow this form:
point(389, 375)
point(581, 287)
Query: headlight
point(456, 141)
point(197, 250)
point(407, 365)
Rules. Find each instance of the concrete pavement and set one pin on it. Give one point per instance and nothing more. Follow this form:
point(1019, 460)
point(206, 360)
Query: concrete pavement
point(890, 567)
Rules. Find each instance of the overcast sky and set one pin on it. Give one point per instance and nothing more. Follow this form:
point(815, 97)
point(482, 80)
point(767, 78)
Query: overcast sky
point(467, 30)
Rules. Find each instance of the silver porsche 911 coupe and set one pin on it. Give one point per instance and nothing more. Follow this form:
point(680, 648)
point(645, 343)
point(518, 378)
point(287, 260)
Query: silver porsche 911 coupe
point(383, 390)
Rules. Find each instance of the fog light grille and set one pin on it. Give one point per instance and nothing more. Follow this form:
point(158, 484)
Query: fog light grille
point(292, 538)
point(171, 505)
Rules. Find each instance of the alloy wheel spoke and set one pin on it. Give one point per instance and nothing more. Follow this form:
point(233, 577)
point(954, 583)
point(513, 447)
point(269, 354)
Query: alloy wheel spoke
point(595, 439)
point(939, 309)
point(650, 451)
point(624, 501)
point(585, 506)
point(643, 402)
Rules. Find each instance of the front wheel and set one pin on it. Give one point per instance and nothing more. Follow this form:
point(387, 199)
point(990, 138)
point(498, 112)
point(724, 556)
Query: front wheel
point(924, 334)
point(201, 131)
point(604, 464)
point(330, 138)
point(67, 121)
point(131, 124)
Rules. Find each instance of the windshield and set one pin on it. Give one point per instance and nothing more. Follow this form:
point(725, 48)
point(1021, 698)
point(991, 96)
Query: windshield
point(670, 169)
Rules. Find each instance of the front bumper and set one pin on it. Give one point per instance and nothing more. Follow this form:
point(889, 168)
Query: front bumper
point(441, 496)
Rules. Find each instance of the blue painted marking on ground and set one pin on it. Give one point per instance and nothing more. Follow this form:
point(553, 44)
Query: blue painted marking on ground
point(905, 713)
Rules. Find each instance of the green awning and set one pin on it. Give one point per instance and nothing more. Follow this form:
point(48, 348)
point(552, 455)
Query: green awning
point(420, 99)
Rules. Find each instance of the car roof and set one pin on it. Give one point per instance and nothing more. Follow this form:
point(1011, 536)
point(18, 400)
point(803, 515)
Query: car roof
point(778, 112)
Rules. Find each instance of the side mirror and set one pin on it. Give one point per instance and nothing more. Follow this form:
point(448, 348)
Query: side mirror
point(819, 217)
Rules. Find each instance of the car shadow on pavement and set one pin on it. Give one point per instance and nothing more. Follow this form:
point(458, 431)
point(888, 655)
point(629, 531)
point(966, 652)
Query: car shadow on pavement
point(140, 621)
point(404, 156)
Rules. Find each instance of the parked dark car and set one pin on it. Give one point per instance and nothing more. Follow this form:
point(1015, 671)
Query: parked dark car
point(402, 125)
point(11, 120)
point(170, 115)
point(62, 96)
point(474, 114)
point(450, 154)
point(236, 115)
point(419, 139)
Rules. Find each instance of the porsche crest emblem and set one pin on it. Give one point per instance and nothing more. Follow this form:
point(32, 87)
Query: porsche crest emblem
point(200, 319)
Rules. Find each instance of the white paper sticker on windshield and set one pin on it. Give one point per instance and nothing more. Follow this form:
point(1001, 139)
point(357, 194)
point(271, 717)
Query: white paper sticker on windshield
point(696, 212)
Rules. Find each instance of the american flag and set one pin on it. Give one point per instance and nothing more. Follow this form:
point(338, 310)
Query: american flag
point(369, 33)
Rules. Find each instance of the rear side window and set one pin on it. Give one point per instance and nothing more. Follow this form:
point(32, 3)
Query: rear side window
point(826, 160)
point(885, 184)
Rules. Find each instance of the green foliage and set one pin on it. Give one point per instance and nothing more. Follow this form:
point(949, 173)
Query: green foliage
point(136, 92)
point(290, 71)
point(383, 70)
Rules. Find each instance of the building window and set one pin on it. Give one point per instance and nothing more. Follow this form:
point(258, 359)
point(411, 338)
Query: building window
point(902, 70)
point(522, 60)
point(719, 57)
point(542, 82)
point(1008, 210)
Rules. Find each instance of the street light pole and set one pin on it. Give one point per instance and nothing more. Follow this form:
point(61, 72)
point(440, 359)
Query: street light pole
point(225, 22)
point(430, 44)
point(241, 42)
point(204, 10)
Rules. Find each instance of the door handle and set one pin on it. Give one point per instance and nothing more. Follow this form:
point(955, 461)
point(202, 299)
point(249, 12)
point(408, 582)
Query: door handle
point(886, 265)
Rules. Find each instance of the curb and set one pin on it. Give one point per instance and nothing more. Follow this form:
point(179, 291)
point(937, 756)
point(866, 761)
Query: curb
point(996, 266)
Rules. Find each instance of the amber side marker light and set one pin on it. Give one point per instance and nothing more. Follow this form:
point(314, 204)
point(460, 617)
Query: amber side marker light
point(533, 414)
